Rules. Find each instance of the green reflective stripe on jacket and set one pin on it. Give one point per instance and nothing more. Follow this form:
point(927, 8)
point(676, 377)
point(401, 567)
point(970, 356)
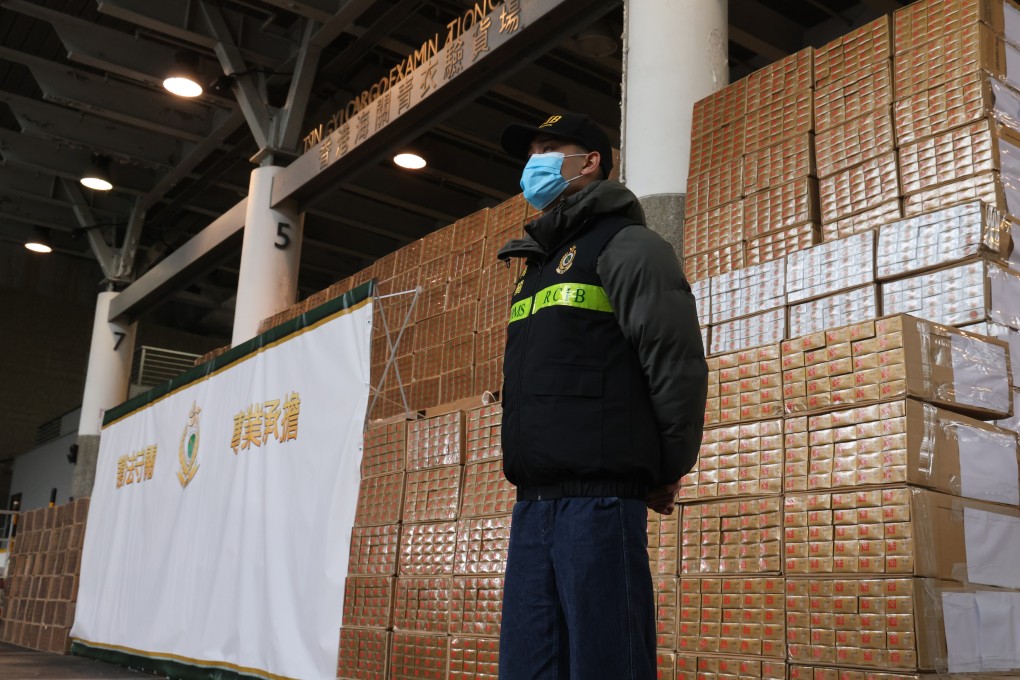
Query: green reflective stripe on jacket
point(520, 310)
point(580, 295)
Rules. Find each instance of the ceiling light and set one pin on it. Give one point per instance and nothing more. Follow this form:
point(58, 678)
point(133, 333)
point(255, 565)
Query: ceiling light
point(183, 79)
point(97, 175)
point(411, 161)
point(596, 40)
point(39, 242)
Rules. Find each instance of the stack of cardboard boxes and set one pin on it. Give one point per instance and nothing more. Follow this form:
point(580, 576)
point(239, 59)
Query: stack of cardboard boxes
point(425, 583)
point(42, 579)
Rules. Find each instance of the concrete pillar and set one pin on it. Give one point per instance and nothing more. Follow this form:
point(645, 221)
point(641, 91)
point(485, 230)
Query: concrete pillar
point(674, 54)
point(106, 385)
point(270, 257)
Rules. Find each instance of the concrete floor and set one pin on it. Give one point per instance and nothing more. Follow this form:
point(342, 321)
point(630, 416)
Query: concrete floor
point(19, 663)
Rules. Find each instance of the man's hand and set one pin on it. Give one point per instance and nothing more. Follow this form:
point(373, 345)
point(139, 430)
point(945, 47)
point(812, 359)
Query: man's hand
point(663, 499)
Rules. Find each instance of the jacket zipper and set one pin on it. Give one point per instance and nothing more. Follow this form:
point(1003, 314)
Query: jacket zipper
point(520, 372)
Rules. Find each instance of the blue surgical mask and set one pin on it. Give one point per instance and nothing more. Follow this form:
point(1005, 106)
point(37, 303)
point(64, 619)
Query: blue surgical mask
point(542, 180)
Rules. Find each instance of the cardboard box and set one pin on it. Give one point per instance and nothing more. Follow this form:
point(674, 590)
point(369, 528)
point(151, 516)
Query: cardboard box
point(435, 442)
point(953, 104)
point(663, 543)
point(749, 331)
point(702, 291)
point(713, 188)
point(364, 653)
point(854, 142)
point(830, 267)
point(476, 605)
point(747, 291)
point(718, 147)
point(665, 612)
point(472, 657)
point(961, 294)
point(374, 551)
point(781, 207)
point(782, 79)
point(953, 55)
point(732, 537)
point(729, 377)
point(383, 450)
point(776, 164)
point(486, 491)
point(860, 188)
point(779, 244)
point(719, 108)
point(380, 499)
point(482, 433)
point(427, 549)
point(781, 119)
point(902, 441)
point(922, 22)
point(727, 668)
point(432, 495)
point(855, 95)
point(419, 656)
point(840, 309)
point(717, 228)
point(944, 236)
point(422, 604)
point(703, 265)
point(869, 219)
point(368, 602)
point(731, 616)
point(897, 531)
point(986, 187)
point(482, 544)
point(893, 624)
point(977, 148)
point(864, 48)
point(738, 460)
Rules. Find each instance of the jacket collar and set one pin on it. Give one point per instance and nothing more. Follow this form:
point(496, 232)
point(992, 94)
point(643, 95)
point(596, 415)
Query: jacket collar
point(547, 233)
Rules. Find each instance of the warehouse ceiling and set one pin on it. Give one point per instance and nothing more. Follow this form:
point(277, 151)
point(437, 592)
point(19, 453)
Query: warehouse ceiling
point(82, 77)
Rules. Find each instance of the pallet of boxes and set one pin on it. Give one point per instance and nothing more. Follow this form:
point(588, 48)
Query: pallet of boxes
point(42, 577)
point(854, 511)
point(428, 551)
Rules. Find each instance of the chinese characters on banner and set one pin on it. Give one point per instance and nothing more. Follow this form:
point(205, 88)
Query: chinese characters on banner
point(137, 467)
point(271, 419)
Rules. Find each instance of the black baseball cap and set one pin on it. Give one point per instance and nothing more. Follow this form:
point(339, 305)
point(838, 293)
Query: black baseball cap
point(575, 127)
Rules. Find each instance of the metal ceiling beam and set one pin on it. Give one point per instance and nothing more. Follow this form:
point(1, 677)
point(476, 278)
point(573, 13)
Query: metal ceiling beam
point(316, 10)
point(340, 22)
point(249, 96)
point(51, 121)
point(104, 255)
point(257, 43)
point(90, 44)
point(287, 131)
point(193, 157)
point(135, 106)
point(182, 266)
point(762, 30)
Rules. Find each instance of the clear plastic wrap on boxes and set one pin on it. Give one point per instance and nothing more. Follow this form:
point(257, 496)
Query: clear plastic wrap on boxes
point(417, 655)
point(854, 142)
point(859, 222)
point(953, 104)
point(952, 296)
point(702, 265)
point(436, 441)
point(427, 549)
point(744, 385)
point(663, 544)
point(902, 442)
point(964, 294)
point(841, 309)
point(482, 544)
point(748, 291)
point(364, 653)
point(477, 605)
point(702, 291)
point(862, 49)
point(749, 331)
point(368, 602)
point(432, 495)
point(665, 589)
point(422, 604)
point(380, 500)
point(374, 550)
point(483, 433)
point(474, 658)
point(486, 490)
point(830, 267)
point(712, 667)
point(779, 244)
point(1008, 335)
point(942, 237)
point(859, 188)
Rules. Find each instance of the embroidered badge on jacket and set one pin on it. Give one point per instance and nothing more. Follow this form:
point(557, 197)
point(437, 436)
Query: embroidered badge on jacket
point(567, 260)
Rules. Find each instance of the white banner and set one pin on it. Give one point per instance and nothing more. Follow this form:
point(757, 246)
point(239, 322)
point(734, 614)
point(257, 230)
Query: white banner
point(220, 522)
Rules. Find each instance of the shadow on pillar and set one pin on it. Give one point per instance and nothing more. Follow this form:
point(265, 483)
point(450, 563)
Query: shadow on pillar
point(664, 214)
point(85, 469)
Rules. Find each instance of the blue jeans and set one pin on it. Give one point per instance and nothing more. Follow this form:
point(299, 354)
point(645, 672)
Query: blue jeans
point(577, 599)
